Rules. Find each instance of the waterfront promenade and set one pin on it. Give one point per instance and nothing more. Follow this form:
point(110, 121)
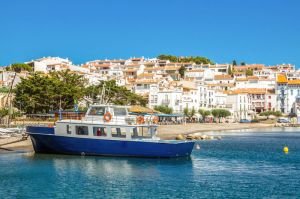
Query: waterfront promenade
point(170, 131)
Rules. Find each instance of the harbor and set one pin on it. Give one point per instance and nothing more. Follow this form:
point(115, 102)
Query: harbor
point(149, 99)
point(243, 163)
point(165, 132)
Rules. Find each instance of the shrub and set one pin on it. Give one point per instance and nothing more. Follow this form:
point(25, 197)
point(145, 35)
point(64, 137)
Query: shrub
point(268, 113)
point(163, 109)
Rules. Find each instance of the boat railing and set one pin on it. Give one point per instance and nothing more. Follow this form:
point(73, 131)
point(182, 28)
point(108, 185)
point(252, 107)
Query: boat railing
point(116, 120)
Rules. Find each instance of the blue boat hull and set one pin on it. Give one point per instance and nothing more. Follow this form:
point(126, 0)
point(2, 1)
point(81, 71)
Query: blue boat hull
point(50, 143)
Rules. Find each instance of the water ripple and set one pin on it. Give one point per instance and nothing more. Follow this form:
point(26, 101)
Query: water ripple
point(239, 166)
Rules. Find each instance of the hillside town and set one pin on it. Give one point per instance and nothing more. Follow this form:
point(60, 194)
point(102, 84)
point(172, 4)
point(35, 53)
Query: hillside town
point(245, 90)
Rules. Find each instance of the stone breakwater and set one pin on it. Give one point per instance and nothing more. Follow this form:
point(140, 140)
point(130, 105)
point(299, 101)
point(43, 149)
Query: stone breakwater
point(286, 125)
point(197, 137)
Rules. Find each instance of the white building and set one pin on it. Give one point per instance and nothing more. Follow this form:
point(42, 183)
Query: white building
point(48, 64)
point(167, 97)
point(288, 94)
point(239, 105)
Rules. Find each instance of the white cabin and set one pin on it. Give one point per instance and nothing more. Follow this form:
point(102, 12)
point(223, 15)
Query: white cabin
point(121, 125)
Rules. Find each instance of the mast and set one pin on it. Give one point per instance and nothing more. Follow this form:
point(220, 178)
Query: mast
point(8, 103)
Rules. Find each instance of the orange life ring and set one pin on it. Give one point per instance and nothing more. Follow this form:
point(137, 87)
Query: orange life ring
point(140, 120)
point(155, 120)
point(107, 117)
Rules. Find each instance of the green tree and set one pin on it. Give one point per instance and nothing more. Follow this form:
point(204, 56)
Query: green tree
point(197, 59)
point(182, 70)
point(234, 63)
point(171, 58)
point(41, 93)
point(243, 63)
point(186, 112)
point(3, 112)
point(215, 113)
point(224, 113)
point(268, 113)
point(220, 113)
point(249, 72)
point(110, 92)
point(192, 112)
point(204, 113)
point(4, 89)
point(163, 109)
point(18, 67)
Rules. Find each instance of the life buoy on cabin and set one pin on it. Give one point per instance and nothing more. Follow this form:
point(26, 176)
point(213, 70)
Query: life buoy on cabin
point(155, 119)
point(140, 120)
point(107, 117)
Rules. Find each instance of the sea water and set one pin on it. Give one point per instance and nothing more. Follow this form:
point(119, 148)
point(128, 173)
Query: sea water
point(241, 165)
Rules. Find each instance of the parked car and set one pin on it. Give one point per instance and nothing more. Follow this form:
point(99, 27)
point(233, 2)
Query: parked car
point(244, 121)
point(283, 120)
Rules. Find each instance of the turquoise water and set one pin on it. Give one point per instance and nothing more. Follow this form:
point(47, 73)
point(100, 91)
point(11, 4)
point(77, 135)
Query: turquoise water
point(245, 165)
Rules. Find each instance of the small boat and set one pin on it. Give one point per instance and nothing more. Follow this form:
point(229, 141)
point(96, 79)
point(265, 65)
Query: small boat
point(107, 130)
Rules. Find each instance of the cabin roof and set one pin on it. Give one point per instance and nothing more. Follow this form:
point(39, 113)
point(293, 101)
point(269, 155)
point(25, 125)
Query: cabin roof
point(109, 105)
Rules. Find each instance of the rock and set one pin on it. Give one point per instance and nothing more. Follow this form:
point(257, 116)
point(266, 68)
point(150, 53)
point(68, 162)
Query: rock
point(190, 137)
point(198, 138)
point(203, 137)
point(210, 137)
point(180, 137)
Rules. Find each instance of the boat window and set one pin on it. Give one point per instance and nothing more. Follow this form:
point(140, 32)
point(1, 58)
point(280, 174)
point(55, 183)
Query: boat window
point(99, 131)
point(69, 130)
point(82, 130)
point(140, 132)
point(97, 111)
point(118, 132)
point(120, 112)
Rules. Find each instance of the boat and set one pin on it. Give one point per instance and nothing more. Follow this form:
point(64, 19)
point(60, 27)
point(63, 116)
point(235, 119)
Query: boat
point(107, 130)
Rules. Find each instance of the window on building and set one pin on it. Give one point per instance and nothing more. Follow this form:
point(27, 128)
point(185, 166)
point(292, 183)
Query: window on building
point(82, 130)
point(298, 92)
point(269, 96)
point(69, 130)
point(291, 92)
point(118, 132)
point(99, 131)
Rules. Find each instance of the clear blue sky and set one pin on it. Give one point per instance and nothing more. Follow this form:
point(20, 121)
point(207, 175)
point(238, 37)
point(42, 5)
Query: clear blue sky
point(254, 31)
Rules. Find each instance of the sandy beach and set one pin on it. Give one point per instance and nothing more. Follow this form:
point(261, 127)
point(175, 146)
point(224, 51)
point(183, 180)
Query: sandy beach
point(165, 132)
point(170, 131)
point(25, 145)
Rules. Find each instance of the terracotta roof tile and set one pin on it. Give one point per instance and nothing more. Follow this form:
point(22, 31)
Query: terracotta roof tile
point(294, 82)
point(194, 70)
point(281, 78)
point(220, 77)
